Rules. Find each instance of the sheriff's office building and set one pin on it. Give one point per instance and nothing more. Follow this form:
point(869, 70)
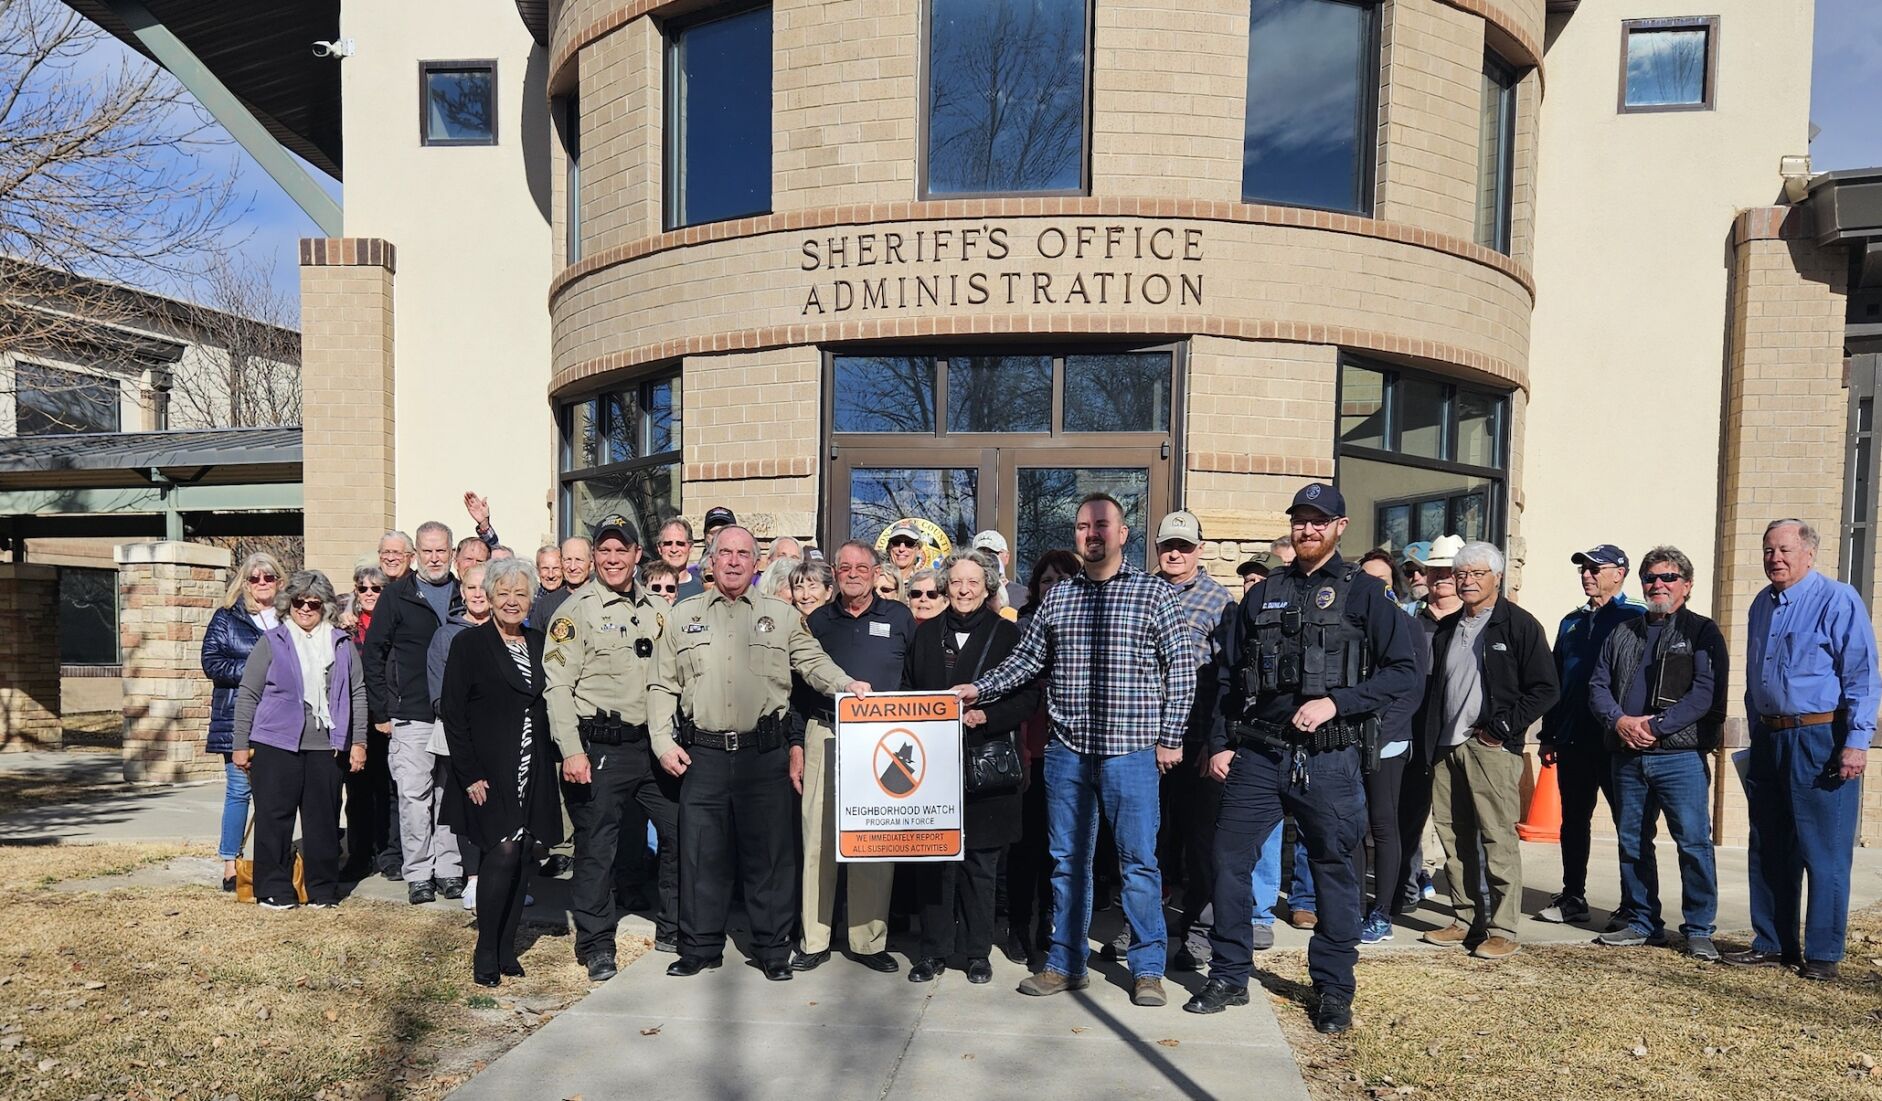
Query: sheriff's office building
point(1543, 272)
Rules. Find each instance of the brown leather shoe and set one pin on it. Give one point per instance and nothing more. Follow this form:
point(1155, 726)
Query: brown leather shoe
point(1451, 936)
point(1303, 919)
point(1149, 991)
point(1752, 957)
point(1051, 982)
point(1496, 948)
point(1817, 970)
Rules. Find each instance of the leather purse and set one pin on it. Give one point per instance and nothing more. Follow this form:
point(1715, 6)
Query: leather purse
point(245, 871)
point(994, 767)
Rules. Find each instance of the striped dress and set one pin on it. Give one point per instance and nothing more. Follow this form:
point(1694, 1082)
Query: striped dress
point(519, 653)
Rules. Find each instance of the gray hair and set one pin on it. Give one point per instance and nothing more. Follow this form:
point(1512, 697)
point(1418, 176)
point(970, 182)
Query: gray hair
point(1804, 531)
point(989, 571)
point(308, 583)
point(814, 569)
point(875, 556)
point(776, 580)
point(365, 572)
point(926, 573)
point(680, 522)
point(1666, 553)
point(1479, 553)
point(502, 569)
point(548, 548)
point(436, 526)
point(238, 584)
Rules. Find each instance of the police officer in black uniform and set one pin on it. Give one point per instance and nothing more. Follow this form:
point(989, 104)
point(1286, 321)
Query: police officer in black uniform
point(1311, 658)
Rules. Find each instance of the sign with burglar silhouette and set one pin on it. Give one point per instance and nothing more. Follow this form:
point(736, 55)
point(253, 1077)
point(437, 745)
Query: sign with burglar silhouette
point(898, 777)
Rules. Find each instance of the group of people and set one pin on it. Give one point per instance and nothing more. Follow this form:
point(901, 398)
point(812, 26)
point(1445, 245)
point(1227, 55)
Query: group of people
point(463, 699)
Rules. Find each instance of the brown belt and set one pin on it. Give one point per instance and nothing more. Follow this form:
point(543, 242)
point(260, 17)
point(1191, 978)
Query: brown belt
point(1792, 722)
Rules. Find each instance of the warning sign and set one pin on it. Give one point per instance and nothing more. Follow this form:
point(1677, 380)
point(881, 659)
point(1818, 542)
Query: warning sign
point(898, 777)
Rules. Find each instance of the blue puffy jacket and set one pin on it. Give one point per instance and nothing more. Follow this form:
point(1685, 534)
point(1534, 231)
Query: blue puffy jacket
point(226, 643)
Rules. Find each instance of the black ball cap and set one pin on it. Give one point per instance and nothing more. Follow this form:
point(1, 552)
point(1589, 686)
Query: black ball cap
point(718, 516)
point(1321, 498)
point(620, 527)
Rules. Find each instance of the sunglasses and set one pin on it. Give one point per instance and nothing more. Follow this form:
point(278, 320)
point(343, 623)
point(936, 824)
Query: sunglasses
point(676, 542)
point(663, 588)
point(263, 578)
point(1590, 568)
point(886, 590)
point(903, 543)
point(924, 594)
point(1665, 578)
point(368, 588)
point(308, 604)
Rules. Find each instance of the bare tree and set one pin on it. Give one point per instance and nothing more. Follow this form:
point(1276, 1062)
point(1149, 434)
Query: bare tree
point(252, 377)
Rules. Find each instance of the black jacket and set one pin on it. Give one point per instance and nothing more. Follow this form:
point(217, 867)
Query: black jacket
point(396, 646)
point(988, 820)
point(483, 703)
point(1518, 670)
point(231, 634)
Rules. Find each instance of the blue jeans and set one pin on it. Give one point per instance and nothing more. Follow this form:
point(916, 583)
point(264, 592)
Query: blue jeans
point(1124, 788)
point(1644, 784)
point(1803, 823)
point(234, 810)
point(1267, 877)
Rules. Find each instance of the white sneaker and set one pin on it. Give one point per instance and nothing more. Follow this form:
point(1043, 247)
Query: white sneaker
point(470, 894)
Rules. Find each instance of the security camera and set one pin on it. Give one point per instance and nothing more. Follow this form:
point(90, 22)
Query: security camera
point(1795, 170)
point(340, 47)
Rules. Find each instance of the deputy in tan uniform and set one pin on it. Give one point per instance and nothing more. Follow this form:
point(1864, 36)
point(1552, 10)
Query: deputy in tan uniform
point(597, 661)
point(718, 710)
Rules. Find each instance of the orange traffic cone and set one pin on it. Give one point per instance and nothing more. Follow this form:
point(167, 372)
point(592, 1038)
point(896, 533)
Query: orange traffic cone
point(1543, 822)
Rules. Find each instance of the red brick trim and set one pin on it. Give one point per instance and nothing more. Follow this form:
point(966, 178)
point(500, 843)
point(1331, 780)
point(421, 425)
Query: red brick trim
point(1230, 462)
point(907, 328)
point(1051, 207)
point(1771, 223)
point(747, 468)
point(1497, 16)
point(348, 252)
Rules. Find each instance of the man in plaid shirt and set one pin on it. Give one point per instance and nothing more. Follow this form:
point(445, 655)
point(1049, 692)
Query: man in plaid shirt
point(1120, 664)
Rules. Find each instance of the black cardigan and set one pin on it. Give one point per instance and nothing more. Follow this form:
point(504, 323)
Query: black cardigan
point(989, 820)
point(1518, 670)
point(482, 705)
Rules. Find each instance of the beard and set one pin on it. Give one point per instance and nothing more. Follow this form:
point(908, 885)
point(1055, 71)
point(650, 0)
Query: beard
point(1093, 552)
point(1661, 605)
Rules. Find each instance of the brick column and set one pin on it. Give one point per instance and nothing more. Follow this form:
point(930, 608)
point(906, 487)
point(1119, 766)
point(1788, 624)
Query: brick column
point(168, 592)
point(29, 658)
point(347, 400)
point(1785, 418)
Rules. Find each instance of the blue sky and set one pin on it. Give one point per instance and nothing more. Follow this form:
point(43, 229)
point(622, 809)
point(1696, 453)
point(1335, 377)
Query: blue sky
point(1846, 85)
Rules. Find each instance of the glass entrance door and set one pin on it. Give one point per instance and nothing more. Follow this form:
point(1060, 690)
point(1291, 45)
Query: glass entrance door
point(944, 486)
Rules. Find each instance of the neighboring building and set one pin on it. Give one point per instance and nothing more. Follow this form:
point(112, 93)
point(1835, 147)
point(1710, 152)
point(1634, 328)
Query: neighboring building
point(1521, 270)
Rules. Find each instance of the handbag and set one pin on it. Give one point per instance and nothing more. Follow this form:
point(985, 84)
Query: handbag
point(245, 870)
point(994, 766)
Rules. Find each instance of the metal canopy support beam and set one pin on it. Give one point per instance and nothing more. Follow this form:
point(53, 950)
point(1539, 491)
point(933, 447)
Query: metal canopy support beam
point(234, 116)
point(172, 499)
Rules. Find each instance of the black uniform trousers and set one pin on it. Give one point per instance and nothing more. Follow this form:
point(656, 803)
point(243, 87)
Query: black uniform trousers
point(1329, 809)
point(1192, 801)
point(621, 776)
point(1583, 771)
point(286, 783)
point(738, 817)
point(371, 827)
point(1029, 871)
point(956, 901)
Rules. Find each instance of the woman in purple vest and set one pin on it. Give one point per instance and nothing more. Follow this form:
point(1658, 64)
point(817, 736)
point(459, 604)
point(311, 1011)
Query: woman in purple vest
point(300, 720)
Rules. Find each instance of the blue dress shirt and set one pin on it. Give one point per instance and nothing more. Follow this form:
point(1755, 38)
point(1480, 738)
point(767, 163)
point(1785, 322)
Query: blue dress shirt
point(1810, 649)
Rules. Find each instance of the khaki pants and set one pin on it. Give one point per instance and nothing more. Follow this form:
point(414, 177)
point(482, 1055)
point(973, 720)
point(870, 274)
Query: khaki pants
point(869, 884)
point(1477, 793)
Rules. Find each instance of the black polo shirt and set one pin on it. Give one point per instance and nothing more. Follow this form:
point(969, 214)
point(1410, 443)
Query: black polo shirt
point(870, 647)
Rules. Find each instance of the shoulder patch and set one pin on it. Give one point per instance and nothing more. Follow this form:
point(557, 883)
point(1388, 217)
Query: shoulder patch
point(555, 656)
point(561, 629)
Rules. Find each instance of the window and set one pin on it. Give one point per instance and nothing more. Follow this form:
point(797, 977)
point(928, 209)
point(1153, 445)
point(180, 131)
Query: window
point(572, 146)
point(1669, 64)
point(1496, 154)
point(88, 616)
point(1313, 71)
point(51, 402)
point(457, 102)
point(1007, 88)
point(621, 454)
point(1419, 457)
point(1859, 486)
point(719, 103)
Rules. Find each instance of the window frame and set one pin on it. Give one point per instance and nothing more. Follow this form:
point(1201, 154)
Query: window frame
point(1862, 448)
point(1367, 138)
point(1508, 80)
point(117, 617)
point(1707, 23)
point(572, 178)
point(425, 69)
point(567, 474)
point(672, 188)
point(88, 381)
point(924, 93)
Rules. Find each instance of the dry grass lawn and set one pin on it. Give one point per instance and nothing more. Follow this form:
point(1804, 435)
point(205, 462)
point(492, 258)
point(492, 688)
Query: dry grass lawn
point(180, 992)
point(1576, 1021)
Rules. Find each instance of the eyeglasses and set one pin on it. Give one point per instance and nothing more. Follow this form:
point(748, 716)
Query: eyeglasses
point(663, 588)
point(1663, 578)
point(1318, 525)
point(262, 578)
point(1593, 567)
point(1474, 575)
point(308, 603)
point(368, 588)
point(924, 594)
point(676, 542)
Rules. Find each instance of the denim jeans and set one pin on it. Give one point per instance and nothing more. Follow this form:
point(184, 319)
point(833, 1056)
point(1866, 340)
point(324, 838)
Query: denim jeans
point(1803, 824)
point(1645, 784)
point(1267, 877)
point(234, 810)
point(1124, 788)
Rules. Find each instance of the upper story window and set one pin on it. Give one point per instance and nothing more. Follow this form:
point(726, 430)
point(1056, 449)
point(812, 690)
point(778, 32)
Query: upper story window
point(1008, 83)
point(1313, 76)
point(621, 454)
point(719, 106)
point(1669, 64)
point(1496, 148)
point(457, 102)
point(572, 147)
point(51, 402)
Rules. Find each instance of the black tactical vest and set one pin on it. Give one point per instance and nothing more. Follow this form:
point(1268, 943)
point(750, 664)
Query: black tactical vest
point(1304, 642)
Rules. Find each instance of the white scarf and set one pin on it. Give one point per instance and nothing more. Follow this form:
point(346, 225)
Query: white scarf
point(315, 652)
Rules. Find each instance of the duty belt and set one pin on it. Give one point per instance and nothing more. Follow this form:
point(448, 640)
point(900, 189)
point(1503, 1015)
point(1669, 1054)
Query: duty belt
point(1273, 735)
point(608, 728)
point(732, 741)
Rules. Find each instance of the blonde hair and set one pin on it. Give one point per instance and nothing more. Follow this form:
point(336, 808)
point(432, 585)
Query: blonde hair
point(238, 584)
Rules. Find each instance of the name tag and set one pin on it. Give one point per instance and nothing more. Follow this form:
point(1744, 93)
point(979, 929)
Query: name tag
point(693, 628)
point(879, 630)
point(1274, 604)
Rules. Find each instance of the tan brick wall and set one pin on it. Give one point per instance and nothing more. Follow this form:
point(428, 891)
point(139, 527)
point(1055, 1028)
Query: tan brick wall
point(621, 134)
point(30, 714)
point(347, 435)
point(167, 594)
point(845, 93)
point(1162, 126)
point(1428, 112)
point(752, 426)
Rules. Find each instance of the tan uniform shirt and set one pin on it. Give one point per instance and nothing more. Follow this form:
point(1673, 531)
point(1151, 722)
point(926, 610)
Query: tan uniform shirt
point(728, 663)
point(590, 662)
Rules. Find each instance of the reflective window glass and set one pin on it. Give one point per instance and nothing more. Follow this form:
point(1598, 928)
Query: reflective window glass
point(1496, 136)
point(1118, 393)
point(647, 495)
point(1000, 394)
point(944, 496)
point(1392, 505)
point(88, 616)
point(1479, 442)
point(460, 104)
point(1048, 506)
point(662, 409)
point(1312, 67)
point(1362, 407)
point(719, 159)
point(1006, 96)
point(51, 402)
point(884, 394)
point(1666, 67)
point(1420, 418)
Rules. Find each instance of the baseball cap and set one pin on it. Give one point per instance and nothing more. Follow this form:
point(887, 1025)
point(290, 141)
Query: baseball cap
point(717, 517)
point(1182, 525)
point(990, 540)
point(618, 525)
point(906, 530)
point(1254, 566)
point(1321, 498)
point(1443, 550)
point(1607, 554)
point(1417, 552)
